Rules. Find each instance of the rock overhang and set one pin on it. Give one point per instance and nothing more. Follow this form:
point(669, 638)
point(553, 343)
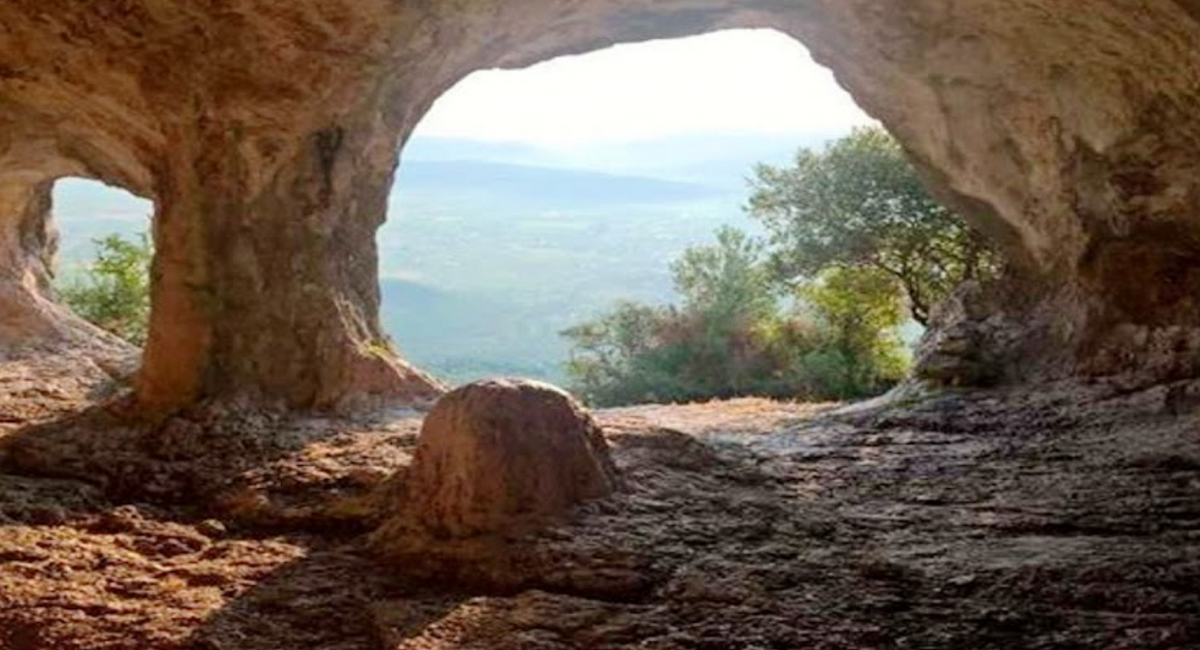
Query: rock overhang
point(1057, 128)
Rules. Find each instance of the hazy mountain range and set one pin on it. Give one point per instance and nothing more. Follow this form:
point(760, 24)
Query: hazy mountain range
point(714, 160)
point(491, 249)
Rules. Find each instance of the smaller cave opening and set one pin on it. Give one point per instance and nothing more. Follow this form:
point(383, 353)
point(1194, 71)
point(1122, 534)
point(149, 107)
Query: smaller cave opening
point(54, 357)
point(101, 265)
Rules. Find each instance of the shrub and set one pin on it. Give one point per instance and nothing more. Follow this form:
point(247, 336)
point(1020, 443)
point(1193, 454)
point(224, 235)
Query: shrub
point(733, 336)
point(114, 291)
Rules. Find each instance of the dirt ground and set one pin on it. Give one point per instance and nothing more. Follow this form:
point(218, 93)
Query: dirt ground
point(1063, 517)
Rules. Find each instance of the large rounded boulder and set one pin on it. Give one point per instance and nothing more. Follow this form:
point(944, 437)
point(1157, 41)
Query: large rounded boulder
point(496, 458)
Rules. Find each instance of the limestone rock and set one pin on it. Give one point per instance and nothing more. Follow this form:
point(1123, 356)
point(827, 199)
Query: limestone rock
point(959, 347)
point(502, 454)
point(499, 463)
point(268, 135)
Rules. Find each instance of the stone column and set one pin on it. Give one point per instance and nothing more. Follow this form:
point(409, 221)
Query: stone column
point(265, 287)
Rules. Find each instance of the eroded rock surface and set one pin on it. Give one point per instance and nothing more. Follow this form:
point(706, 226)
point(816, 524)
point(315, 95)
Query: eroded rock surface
point(1064, 517)
point(496, 458)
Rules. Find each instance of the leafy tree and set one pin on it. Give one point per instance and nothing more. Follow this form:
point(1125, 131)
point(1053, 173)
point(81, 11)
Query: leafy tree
point(733, 336)
point(711, 346)
point(114, 292)
point(608, 350)
point(859, 310)
point(859, 203)
point(729, 302)
point(726, 279)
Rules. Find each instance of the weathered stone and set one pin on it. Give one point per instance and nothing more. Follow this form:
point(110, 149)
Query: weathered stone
point(961, 346)
point(500, 465)
point(31, 319)
point(267, 135)
point(1026, 329)
point(499, 456)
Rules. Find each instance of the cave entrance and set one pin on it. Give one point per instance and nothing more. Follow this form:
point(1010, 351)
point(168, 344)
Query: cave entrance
point(45, 244)
point(103, 255)
point(45, 348)
point(530, 200)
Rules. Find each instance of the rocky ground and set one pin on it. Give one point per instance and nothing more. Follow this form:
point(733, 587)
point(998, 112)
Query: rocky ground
point(1066, 517)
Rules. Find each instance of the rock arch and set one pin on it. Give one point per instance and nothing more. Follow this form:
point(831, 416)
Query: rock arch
point(32, 320)
point(268, 136)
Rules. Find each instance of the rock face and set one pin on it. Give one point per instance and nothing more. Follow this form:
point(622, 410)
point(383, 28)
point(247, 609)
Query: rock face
point(31, 319)
point(267, 136)
point(496, 457)
point(968, 339)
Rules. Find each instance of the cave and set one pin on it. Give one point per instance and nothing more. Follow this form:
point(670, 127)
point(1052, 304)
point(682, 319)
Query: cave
point(268, 140)
point(222, 501)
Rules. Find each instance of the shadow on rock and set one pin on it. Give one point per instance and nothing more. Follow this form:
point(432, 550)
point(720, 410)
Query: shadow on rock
point(268, 470)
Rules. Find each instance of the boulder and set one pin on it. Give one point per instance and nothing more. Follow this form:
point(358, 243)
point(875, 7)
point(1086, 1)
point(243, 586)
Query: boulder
point(497, 458)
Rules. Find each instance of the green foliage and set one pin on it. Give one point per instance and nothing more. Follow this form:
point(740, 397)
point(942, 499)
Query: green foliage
point(725, 280)
point(611, 360)
point(856, 237)
point(732, 335)
point(860, 203)
point(859, 310)
point(114, 292)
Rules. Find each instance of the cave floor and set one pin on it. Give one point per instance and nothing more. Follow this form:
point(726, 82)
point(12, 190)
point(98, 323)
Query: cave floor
point(1063, 517)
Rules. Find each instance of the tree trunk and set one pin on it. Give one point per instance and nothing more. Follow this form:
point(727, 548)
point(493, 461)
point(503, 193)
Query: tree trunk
point(265, 287)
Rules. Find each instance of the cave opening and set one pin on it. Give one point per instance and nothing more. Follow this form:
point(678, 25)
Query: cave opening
point(226, 502)
point(52, 234)
point(529, 200)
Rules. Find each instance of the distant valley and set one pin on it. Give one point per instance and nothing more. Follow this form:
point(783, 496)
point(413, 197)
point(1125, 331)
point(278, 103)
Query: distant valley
point(491, 249)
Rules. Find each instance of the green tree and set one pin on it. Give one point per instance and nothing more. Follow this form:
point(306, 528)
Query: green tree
point(860, 203)
point(727, 279)
point(733, 336)
point(858, 310)
point(715, 343)
point(607, 357)
point(711, 346)
point(114, 292)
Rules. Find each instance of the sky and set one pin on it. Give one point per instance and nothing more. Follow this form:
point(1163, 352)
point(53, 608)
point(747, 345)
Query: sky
point(737, 81)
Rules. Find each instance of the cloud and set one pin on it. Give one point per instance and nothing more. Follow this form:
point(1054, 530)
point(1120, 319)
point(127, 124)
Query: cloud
point(737, 81)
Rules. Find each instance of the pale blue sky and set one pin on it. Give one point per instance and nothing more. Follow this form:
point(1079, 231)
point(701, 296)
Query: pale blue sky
point(739, 81)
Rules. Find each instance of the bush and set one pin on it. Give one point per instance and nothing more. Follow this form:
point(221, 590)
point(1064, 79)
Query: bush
point(114, 292)
point(732, 336)
point(858, 353)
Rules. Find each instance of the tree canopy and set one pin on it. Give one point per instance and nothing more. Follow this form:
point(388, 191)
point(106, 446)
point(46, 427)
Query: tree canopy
point(114, 292)
point(735, 334)
point(859, 203)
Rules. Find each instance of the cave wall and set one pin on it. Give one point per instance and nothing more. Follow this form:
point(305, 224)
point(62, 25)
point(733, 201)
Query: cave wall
point(267, 134)
point(32, 320)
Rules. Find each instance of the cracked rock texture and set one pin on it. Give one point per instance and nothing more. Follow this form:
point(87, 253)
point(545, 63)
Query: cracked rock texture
point(1063, 517)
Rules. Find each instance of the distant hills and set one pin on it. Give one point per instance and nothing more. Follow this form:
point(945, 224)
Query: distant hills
point(491, 249)
point(462, 335)
point(722, 160)
point(534, 186)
